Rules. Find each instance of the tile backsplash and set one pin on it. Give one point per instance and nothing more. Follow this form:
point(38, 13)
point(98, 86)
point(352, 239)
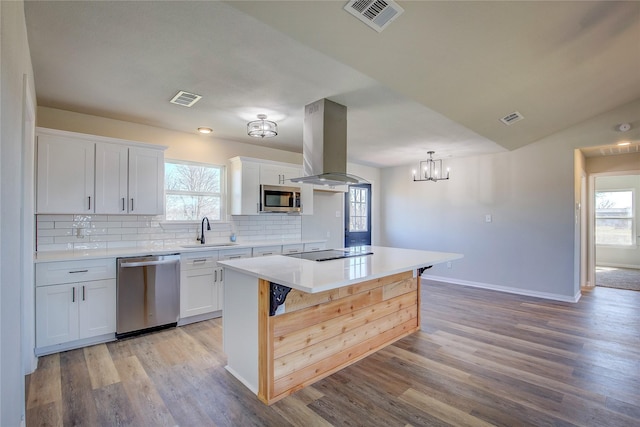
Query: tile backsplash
point(79, 232)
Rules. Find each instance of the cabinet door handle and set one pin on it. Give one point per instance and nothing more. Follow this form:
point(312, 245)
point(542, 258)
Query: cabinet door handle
point(221, 279)
point(83, 298)
point(89, 197)
point(234, 257)
point(215, 276)
point(267, 253)
point(132, 204)
point(78, 271)
point(73, 294)
point(199, 261)
point(123, 206)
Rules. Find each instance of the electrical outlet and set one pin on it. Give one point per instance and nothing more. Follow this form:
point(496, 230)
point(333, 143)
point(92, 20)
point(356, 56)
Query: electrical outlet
point(448, 264)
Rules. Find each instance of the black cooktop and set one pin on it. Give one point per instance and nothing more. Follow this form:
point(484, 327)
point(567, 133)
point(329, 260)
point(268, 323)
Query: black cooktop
point(331, 254)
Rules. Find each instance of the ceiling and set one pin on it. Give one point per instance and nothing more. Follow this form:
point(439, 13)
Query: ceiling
point(438, 78)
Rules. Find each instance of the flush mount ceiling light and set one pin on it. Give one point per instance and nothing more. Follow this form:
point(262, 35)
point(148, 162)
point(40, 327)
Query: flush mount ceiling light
point(623, 127)
point(205, 131)
point(431, 170)
point(262, 128)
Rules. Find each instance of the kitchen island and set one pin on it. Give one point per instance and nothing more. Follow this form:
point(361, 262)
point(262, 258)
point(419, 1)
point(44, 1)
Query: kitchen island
point(289, 322)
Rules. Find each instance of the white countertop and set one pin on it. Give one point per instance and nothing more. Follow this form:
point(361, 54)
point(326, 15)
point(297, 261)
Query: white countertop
point(314, 276)
point(50, 256)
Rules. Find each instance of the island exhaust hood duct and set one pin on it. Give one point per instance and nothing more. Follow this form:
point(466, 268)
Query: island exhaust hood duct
point(324, 145)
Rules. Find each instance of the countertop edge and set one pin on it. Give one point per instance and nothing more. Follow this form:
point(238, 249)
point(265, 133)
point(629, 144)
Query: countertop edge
point(442, 258)
point(75, 255)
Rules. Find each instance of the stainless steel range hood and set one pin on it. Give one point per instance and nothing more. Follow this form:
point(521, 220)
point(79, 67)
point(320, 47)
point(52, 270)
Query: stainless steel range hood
point(324, 145)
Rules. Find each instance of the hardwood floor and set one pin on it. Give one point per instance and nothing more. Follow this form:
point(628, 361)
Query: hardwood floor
point(481, 358)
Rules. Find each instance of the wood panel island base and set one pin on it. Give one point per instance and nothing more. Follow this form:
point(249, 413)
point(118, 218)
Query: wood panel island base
point(334, 314)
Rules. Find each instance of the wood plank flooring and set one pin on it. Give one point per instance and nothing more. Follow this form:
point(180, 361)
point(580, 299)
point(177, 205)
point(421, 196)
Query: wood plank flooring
point(482, 358)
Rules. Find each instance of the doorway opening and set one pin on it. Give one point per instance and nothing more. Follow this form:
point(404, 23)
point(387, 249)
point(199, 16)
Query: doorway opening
point(357, 216)
point(616, 231)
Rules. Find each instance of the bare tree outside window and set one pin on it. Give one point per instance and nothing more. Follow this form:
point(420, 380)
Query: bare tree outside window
point(193, 191)
point(614, 217)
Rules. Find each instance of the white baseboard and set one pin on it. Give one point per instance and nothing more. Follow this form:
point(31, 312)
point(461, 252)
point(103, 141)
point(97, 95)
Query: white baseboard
point(525, 292)
point(609, 264)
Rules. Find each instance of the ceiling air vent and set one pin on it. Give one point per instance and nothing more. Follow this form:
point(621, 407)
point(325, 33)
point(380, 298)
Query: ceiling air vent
point(377, 14)
point(512, 118)
point(185, 99)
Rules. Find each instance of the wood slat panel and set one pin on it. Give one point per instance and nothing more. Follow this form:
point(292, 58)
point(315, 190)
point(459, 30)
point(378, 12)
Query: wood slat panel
point(325, 349)
point(308, 375)
point(371, 292)
point(265, 342)
point(302, 319)
point(325, 328)
point(293, 341)
point(297, 300)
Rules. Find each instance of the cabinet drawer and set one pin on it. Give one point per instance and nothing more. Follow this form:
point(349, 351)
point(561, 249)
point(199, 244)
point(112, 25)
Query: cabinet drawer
point(308, 247)
point(235, 253)
point(194, 261)
point(267, 250)
point(292, 249)
point(49, 273)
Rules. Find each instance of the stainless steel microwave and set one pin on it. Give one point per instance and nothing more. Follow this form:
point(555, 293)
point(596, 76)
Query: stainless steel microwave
point(275, 198)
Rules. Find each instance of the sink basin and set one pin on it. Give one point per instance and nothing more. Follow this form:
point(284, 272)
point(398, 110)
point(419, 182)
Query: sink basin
point(207, 245)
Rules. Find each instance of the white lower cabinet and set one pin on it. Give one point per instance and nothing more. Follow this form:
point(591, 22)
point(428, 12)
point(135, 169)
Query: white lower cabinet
point(267, 250)
point(292, 248)
point(317, 246)
point(75, 304)
point(75, 311)
point(200, 286)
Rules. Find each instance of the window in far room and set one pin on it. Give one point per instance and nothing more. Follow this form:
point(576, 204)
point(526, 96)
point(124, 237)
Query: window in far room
point(615, 217)
point(193, 190)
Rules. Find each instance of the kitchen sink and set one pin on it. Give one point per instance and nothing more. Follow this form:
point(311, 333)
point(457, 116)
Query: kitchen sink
point(207, 245)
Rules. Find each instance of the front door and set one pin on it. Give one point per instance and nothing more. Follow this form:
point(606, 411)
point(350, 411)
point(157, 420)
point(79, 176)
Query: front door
point(357, 215)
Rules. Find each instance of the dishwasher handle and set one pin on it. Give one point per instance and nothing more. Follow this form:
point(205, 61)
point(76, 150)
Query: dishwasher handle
point(148, 263)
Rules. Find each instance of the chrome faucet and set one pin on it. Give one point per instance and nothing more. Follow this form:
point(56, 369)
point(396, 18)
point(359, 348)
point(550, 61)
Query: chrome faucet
point(201, 238)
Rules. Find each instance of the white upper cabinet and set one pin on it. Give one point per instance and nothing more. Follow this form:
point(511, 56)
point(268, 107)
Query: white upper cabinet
point(272, 174)
point(111, 178)
point(146, 181)
point(65, 175)
point(89, 174)
point(247, 174)
point(244, 187)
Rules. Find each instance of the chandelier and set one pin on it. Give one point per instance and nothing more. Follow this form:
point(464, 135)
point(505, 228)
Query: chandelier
point(431, 170)
point(262, 128)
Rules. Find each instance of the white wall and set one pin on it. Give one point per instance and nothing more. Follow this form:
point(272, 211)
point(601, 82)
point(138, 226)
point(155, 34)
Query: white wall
point(182, 146)
point(15, 66)
point(530, 245)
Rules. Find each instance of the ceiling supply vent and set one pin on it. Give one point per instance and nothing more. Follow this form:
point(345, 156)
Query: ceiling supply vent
point(185, 99)
point(377, 14)
point(512, 118)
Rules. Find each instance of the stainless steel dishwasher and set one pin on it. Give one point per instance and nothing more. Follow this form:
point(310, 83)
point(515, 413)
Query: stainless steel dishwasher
point(148, 290)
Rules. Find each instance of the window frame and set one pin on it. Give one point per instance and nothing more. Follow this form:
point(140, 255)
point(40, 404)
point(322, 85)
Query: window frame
point(222, 194)
point(631, 217)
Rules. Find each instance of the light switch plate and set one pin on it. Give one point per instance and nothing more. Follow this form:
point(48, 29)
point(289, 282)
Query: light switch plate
point(487, 218)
